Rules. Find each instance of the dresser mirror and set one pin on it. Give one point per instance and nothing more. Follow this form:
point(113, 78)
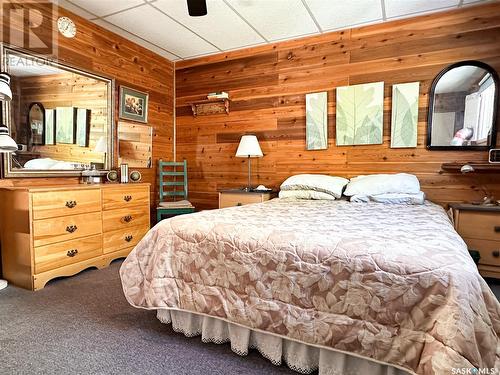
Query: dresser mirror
point(462, 108)
point(60, 117)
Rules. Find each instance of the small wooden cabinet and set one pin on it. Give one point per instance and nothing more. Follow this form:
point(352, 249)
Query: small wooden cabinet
point(479, 226)
point(53, 231)
point(235, 197)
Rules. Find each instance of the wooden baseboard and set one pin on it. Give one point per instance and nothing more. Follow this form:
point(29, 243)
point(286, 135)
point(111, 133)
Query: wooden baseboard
point(489, 271)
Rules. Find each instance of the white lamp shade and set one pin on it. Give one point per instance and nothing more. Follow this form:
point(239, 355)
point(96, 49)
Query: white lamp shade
point(249, 147)
point(101, 145)
point(7, 144)
point(5, 92)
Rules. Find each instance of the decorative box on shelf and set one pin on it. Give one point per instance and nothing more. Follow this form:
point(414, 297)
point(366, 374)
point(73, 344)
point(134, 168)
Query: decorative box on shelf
point(210, 106)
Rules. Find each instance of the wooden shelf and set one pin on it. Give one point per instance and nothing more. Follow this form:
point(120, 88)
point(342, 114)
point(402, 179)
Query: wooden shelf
point(478, 167)
point(210, 107)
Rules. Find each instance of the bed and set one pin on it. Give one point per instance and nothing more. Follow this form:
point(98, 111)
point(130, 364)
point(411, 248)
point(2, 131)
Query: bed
point(340, 286)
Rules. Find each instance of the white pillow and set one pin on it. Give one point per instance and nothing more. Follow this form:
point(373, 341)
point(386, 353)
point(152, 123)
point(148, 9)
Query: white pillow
point(317, 182)
point(305, 194)
point(391, 198)
point(376, 184)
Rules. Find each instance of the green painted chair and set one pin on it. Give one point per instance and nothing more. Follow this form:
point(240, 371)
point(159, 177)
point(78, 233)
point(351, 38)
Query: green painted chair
point(173, 175)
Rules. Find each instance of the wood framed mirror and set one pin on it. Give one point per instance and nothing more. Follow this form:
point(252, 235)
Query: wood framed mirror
point(57, 116)
point(463, 103)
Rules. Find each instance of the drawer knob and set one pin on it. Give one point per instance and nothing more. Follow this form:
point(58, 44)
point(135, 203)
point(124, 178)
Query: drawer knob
point(70, 204)
point(127, 198)
point(497, 229)
point(71, 228)
point(496, 253)
point(129, 238)
point(71, 253)
point(239, 204)
point(127, 219)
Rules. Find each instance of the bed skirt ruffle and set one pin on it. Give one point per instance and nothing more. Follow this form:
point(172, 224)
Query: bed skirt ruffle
point(299, 357)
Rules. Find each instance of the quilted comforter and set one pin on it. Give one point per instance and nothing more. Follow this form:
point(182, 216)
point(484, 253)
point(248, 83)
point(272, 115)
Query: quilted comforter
point(393, 283)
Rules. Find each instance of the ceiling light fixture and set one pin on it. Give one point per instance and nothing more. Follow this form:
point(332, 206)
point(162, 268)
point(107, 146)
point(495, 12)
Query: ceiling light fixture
point(197, 8)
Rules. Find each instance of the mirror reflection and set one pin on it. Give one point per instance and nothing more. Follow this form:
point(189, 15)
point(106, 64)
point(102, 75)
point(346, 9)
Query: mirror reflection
point(463, 108)
point(57, 116)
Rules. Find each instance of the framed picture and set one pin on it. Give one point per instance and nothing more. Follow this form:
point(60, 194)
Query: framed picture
point(50, 126)
point(66, 125)
point(317, 121)
point(404, 119)
point(133, 104)
point(360, 110)
point(82, 127)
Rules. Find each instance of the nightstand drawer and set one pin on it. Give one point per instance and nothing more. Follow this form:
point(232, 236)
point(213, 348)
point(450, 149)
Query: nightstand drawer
point(488, 250)
point(237, 199)
point(479, 225)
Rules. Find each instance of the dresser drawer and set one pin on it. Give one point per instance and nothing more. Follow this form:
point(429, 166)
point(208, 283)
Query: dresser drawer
point(120, 239)
point(66, 228)
point(480, 225)
point(61, 254)
point(488, 250)
point(66, 202)
point(125, 197)
point(231, 200)
point(125, 217)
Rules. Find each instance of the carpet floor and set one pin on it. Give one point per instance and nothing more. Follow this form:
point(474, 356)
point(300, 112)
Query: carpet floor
point(83, 325)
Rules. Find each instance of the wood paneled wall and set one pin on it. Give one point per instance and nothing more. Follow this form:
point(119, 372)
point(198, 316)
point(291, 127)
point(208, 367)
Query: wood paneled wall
point(268, 84)
point(97, 50)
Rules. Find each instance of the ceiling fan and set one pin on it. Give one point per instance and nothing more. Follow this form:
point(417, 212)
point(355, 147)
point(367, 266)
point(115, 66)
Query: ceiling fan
point(197, 8)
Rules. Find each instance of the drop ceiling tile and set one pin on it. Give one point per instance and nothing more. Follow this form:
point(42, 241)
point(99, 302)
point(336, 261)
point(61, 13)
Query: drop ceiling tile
point(105, 7)
point(157, 28)
point(397, 8)
point(221, 26)
point(137, 40)
point(339, 14)
point(277, 19)
point(73, 8)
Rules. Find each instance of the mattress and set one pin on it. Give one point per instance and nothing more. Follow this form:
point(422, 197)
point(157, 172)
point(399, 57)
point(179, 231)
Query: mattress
point(389, 283)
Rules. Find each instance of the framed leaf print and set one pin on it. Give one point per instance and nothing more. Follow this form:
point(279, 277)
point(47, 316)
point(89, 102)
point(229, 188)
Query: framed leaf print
point(82, 127)
point(404, 120)
point(317, 121)
point(66, 125)
point(360, 110)
point(50, 126)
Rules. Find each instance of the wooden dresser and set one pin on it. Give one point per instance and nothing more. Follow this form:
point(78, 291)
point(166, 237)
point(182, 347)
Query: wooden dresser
point(53, 231)
point(479, 226)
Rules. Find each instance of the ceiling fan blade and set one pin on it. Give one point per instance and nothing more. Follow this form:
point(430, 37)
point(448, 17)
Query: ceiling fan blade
point(197, 8)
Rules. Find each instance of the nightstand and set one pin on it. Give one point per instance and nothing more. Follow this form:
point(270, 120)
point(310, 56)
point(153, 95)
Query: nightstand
point(479, 226)
point(236, 197)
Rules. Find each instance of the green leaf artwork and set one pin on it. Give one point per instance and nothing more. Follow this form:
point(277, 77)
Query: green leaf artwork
point(317, 121)
point(404, 120)
point(360, 110)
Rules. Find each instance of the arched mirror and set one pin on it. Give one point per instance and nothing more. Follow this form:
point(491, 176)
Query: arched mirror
point(462, 108)
point(36, 124)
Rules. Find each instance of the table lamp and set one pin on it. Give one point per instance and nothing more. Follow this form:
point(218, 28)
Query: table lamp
point(7, 144)
point(249, 148)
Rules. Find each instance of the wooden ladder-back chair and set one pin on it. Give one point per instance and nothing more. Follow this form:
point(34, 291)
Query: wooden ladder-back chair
point(173, 184)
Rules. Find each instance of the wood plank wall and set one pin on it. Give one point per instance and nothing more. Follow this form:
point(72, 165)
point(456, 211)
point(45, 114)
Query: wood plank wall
point(97, 50)
point(268, 85)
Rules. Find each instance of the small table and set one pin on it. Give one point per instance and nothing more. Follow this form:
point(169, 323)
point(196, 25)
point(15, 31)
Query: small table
point(479, 226)
point(239, 197)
